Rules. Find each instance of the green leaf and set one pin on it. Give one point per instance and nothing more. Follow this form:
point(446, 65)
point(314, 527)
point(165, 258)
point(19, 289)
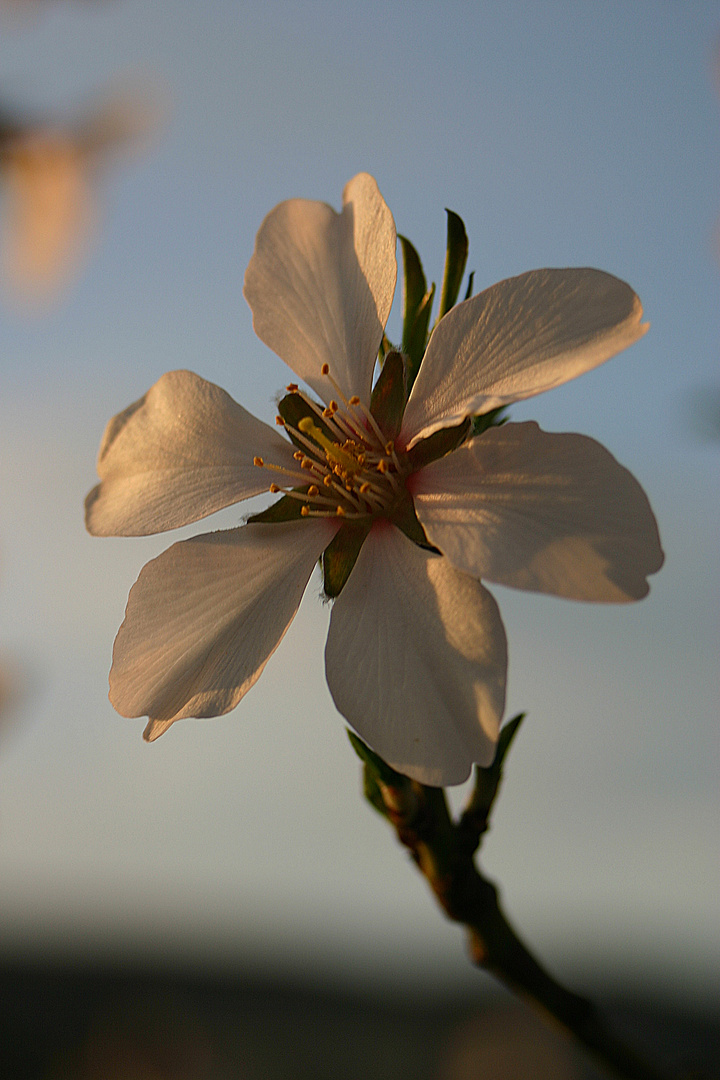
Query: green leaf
point(475, 818)
point(456, 254)
point(493, 418)
point(437, 445)
point(387, 403)
point(285, 509)
point(372, 792)
point(378, 768)
point(414, 286)
point(406, 519)
point(417, 307)
point(340, 556)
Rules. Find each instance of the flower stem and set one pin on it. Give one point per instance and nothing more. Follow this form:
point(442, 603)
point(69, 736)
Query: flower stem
point(444, 853)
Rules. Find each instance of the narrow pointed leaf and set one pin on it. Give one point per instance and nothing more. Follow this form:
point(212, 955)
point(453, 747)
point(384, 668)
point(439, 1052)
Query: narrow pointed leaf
point(475, 818)
point(414, 287)
point(455, 258)
point(417, 306)
point(387, 403)
point(493, 418)
point(417, 341)
point(378, 768)
point(372, 792)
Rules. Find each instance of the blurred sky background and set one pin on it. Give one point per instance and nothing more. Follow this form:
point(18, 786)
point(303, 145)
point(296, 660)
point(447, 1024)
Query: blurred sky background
point(564, 134)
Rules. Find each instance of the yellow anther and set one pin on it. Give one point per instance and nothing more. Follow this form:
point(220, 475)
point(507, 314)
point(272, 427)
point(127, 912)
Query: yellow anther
point(274, 489)
point(313, 490)
point(389, 447)
point(304, 511)
point(382, 465)
point(279, 421)
point(335, 454)
point(333, 406)
point(292, 388)
point(306, 463)
point(339, 511)
point(258, 461)
point(325, 369)
point(364, 487)
point(327, 480)
point(354, 400)
point(298, 455)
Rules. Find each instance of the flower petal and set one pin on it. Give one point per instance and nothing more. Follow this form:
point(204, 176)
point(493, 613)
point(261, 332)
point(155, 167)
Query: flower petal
point(416, 660)
point(203, 619)
point(554, 513)
point(321, 284)
point(181, 452)
point(518, 338)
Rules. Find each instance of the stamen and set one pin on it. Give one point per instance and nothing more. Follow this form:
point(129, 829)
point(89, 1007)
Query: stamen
point(279, 421)
point(292, 388)
point(335, 453)
point(259, 462)
point(305, 511)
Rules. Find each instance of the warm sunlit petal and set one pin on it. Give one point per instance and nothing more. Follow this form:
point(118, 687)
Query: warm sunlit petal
point(321, 284)
point(518, 338)
point(204, 618)
point(554, 513)
point(183, 451)
point(416, 660)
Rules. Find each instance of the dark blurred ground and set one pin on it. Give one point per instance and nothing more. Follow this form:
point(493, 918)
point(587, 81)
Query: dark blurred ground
point(64, 1022)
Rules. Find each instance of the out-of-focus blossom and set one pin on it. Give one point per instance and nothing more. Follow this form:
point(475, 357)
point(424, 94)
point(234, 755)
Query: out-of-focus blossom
point(48, 181)
point(406, 509)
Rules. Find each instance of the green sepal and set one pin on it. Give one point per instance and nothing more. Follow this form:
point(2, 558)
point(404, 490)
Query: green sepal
point(456, 254)
point(493, 418)
point(340, 556)
point(469, 290)
point(293, 408)
point(475, 818)
point(417, 307)
point(285, 509)
point(405, 518)
point(387, 403)
point(386, 346)
point(437, 445)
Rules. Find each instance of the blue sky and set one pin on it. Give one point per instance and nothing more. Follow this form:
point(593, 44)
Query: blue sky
point(564, 134)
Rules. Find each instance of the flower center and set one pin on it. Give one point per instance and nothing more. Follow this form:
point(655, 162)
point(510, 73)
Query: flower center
point(346, 468)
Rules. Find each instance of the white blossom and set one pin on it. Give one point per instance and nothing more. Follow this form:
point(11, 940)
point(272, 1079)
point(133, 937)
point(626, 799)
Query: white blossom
point(416, 656)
